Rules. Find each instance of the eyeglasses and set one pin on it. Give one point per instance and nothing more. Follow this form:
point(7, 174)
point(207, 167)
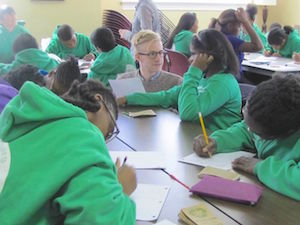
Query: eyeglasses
point(111, 135)
point(153, 54)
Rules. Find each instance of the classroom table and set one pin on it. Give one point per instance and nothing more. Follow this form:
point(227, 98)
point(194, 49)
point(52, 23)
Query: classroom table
point(168, 134)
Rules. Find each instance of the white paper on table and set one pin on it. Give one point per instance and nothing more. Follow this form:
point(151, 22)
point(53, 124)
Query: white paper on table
point(126, 86)
point(141, 159)
point(149, 200)
point(165, 222)
point(220, 160)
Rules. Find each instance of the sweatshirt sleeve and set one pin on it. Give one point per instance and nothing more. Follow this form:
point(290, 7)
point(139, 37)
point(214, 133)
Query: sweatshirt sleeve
point(54, 49)
point(281, 176)
point(164, 99)
point(234, 138)
point(191, 101)
point(145, 17)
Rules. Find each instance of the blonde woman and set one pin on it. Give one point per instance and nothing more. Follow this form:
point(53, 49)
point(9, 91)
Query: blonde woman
point(150, 55)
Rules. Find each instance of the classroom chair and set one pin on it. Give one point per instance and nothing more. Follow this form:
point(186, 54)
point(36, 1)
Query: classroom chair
point(246, 90)
point(175, 62)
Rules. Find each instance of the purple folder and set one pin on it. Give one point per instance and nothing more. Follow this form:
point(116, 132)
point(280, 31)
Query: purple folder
point(228, 190)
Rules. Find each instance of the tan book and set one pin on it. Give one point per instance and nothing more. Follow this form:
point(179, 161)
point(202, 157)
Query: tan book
point(212, 171)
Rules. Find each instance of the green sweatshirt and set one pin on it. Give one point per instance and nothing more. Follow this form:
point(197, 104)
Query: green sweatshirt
point(109, 64)
point(292, 45)
point(218, 98)
point(6, 42)
point(83, 47)
point(30, 56)
point(60, 171)
point(263, 38)
point(182, 42)
point(279, 168)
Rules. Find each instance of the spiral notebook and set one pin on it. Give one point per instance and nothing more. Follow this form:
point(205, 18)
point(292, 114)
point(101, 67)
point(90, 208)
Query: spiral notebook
point(235, 191)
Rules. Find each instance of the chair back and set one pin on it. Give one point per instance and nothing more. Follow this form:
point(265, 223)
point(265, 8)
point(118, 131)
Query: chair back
point(246, 90)
point(175, 62)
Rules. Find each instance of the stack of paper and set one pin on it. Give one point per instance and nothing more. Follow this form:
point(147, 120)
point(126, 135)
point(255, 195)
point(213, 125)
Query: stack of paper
point(149, 200)
point(198, 215)
point(143, 113)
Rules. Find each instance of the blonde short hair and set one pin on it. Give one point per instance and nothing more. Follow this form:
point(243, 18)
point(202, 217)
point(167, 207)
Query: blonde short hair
point(144, 36)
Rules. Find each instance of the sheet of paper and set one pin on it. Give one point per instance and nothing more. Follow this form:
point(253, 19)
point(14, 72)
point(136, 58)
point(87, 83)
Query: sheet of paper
point(220, 160)
point(126, 86)
point(165, 222)
point(148, 112)
point(141, 159)
point(227, 174)
point(149, 200)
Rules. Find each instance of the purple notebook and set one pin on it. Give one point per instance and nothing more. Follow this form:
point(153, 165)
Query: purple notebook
point(228, 190)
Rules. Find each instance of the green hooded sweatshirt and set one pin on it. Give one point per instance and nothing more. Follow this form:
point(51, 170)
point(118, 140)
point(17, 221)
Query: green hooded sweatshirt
point(6, 42)
point(292, 45)
point(59, 169)
point(261, 35)
point(109, 64)
point(218, 98)
point(280, 165)
point(33, 57)
point(83, 47)
point(182, 42)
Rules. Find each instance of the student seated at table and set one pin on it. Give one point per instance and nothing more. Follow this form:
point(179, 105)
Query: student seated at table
point(60, 80)
point(27, 51)
point(251, 10)
point(113, 58)
point(209, 86)
point(286, 41)
point(149, 53)
point(183, 33)
point(66, 42)
point(9, 31)
point(229, 22)
point(12, 82)
point(59, 181)
point(271, 126)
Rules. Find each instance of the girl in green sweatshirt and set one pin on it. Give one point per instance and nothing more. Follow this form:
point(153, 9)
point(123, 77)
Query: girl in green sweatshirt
point(271, 126)
point(183, 33)
point(55, 166)
point(209, 86)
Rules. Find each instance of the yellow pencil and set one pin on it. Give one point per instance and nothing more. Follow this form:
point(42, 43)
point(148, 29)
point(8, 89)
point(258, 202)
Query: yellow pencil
point(204, 131)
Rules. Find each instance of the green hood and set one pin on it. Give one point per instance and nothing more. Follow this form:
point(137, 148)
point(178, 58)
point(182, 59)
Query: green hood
point(20, 117)
point(182, 35)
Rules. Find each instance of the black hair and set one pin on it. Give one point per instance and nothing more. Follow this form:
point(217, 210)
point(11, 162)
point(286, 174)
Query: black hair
point(19, 76)
point(215, 43)
point(65, 32)
point(226, 17)
point(5, 9)
point(251, 9)
point(186, 22)
point(277, 35)
point(103, 38)
point(274, 25)
point(83, 96)
point(275, 105)
point(65, 74)
point(24, 41)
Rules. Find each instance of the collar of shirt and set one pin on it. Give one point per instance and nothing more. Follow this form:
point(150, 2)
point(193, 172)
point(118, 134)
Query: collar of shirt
point(152, 78)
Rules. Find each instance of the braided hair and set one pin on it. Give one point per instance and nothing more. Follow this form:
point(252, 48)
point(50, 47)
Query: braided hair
point(275, 105)
point(83, 96)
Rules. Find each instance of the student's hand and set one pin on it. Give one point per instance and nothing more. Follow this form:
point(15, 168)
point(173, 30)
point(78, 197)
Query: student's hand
point(276, 54)
point(123, 33)
point(202, 149)
point(246, 164)
point(122, 101)
point(89, 57)
point(296, 57)
point(202, 60)
point(267, 53)
point(241, 15)
point(127, 178)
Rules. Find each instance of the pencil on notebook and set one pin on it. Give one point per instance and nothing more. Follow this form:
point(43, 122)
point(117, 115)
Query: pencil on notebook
point(204, 131)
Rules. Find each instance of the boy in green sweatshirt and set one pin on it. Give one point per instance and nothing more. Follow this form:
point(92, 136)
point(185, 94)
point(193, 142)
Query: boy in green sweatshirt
point(9, 31)
point(48, 180)
point(26, 50)
point(271, 126)
point(113, 58)
point(66, 42)
point(208, 87)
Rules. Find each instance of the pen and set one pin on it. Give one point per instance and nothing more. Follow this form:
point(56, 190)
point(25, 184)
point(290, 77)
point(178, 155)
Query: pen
point(204, 131)
point(177, 180)
point(124, 161)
